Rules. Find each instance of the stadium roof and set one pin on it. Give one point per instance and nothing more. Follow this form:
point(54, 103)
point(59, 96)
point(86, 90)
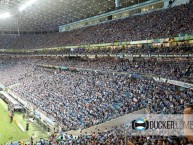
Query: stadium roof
point(47, 15)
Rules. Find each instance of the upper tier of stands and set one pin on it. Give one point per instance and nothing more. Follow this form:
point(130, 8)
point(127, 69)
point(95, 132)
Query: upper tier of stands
point(157, 24)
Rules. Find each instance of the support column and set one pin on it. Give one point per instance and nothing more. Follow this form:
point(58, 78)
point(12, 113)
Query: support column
point(18, 33)
point(117, 4)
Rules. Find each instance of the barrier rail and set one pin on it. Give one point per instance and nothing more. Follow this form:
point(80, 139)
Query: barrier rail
point(122, 55)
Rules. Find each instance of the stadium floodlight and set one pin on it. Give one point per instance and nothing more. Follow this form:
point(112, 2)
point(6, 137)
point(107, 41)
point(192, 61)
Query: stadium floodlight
point(27, 4)
point(5, 15)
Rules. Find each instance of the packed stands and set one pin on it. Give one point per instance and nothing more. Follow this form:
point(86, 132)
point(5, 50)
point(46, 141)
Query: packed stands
point(62, 93)
point(164, 23)
point(82, 99)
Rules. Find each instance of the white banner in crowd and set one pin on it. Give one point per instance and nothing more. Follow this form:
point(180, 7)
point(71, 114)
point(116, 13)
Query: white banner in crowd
point(182, 84)
point(174, 82)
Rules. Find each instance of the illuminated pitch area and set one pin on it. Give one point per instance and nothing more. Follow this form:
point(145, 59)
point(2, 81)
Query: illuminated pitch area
point(9, 131)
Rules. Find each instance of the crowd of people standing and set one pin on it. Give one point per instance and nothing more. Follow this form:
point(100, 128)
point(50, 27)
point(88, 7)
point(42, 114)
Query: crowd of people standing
point(164, 23)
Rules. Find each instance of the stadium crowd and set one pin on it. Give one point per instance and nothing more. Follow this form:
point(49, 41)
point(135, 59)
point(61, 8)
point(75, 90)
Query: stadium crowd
point(62, 94)
point(78, 100)
point(100, 96)
point(165, 23)
point(177, 69)
point(65, 94)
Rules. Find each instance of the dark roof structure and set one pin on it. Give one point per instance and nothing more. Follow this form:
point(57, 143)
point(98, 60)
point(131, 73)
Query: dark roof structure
point(47, 15)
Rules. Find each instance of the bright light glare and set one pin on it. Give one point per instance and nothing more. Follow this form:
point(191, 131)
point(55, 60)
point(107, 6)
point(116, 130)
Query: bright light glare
point(27, 4)
point(5, 15)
